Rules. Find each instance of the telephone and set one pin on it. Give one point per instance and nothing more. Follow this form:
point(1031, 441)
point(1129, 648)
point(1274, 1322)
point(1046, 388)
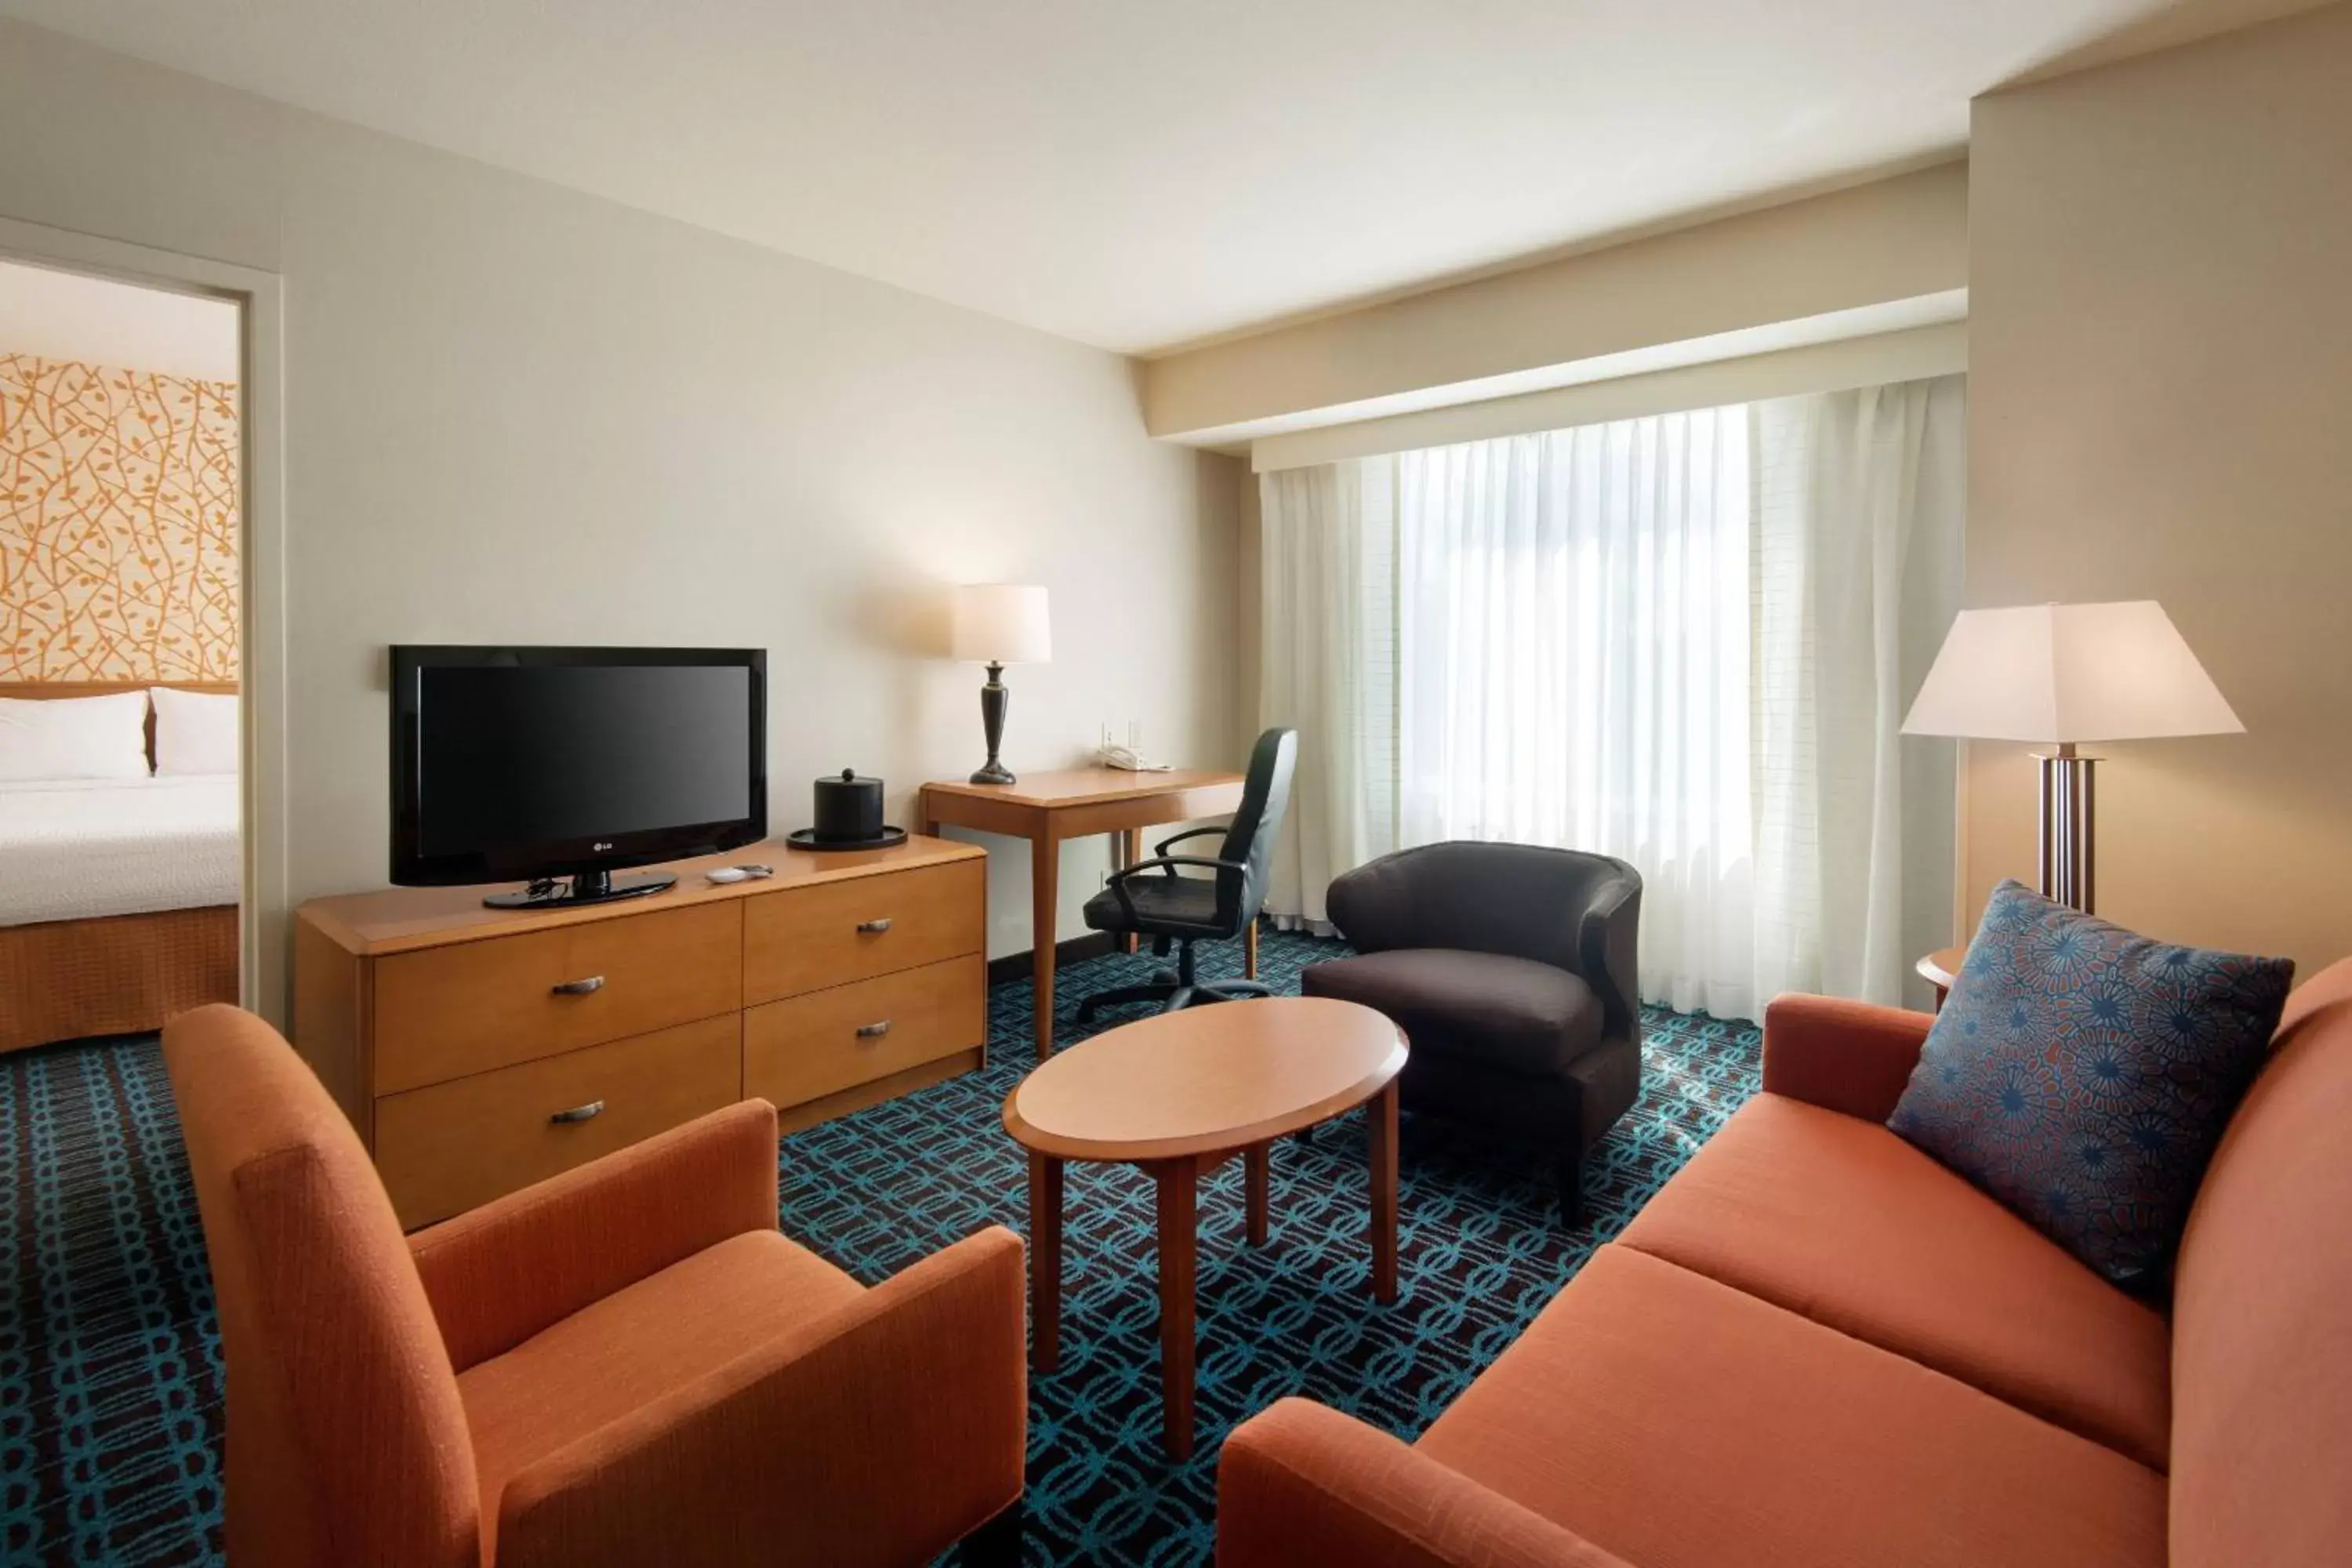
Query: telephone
point(1129, 757)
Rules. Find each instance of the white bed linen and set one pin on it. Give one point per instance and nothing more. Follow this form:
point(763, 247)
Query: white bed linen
point(80, 848)
point(74, 737)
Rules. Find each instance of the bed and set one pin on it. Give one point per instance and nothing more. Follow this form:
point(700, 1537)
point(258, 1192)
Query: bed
point(118, 896)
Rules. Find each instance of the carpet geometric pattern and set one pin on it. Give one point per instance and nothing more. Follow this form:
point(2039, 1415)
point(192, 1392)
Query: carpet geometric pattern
point(109, 1358)
point(110, 1370)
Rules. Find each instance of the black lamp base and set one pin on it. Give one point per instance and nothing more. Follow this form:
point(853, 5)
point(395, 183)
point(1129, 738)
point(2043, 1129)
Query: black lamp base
point(993, 700)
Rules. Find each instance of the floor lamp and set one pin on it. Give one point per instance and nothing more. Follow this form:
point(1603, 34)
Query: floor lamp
point(2065, 676)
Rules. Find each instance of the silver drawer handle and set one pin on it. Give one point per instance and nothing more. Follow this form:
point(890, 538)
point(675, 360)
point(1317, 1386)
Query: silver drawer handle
point(580, 987)
point(878, 927)
point(587, 1113)
point(873, 1031)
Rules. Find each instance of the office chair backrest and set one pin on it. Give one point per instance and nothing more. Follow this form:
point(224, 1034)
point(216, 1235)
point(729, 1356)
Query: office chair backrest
point(1257, 823)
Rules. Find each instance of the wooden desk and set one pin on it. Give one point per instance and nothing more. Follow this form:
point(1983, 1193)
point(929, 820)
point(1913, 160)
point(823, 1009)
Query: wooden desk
point(1074, 803)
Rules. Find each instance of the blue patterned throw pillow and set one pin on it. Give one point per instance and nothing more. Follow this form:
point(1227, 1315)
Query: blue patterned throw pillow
point(2082, 1075)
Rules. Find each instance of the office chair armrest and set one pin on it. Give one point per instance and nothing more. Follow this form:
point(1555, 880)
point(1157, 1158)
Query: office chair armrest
point(498, 1274)
point(1119, 878)
point(880, 1432)
point(1160, 849)
point(1301, 1483)
point(1171, 862)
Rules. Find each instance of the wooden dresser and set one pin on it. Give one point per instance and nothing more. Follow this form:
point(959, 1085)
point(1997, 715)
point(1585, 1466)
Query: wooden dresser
point(478, 1050)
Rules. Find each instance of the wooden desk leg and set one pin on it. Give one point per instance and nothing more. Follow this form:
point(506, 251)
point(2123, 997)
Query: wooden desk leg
point(1046, 1259)
point(1130, 852)
point(1179, 1258)
point(1045, 886)
point(1249, 948)
point(1256, 1183)
point(1384, 1194)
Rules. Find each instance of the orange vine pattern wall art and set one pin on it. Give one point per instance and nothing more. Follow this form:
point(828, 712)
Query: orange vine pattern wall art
point(118, 524)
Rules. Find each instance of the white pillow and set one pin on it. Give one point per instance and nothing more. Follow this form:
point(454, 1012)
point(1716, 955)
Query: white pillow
point(196, 732)
point(74, 737)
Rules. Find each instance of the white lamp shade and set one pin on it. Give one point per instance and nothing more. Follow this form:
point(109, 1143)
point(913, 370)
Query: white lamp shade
point(1002, 623)
point(2056, 673)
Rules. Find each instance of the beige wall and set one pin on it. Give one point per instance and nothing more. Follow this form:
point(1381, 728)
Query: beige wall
point(2160, 350)
point(1895, 239)
point(518, 414)
point(1876, 359)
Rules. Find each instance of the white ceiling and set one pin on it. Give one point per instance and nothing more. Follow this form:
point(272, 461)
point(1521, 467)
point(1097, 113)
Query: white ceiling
point(1138, 175)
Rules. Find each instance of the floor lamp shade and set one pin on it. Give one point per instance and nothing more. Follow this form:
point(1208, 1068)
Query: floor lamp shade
point(999, 623)
point(2064, 676)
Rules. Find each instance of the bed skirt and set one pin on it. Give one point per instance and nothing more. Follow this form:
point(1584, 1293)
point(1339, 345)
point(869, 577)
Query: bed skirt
point(122, 975)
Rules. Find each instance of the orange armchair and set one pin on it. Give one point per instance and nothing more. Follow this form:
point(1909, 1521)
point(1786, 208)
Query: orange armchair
point(628, 1363)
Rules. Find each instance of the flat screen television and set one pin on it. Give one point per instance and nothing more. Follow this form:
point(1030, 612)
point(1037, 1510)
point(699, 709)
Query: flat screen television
point(540, 763)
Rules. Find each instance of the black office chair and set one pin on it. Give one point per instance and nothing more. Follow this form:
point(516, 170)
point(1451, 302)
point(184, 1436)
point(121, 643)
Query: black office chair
point(1168, 908)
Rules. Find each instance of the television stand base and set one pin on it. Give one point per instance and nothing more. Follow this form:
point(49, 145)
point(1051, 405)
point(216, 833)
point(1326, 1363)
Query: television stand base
point(587, 888)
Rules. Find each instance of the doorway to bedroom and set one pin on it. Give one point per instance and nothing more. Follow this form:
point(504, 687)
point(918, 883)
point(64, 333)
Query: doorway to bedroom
point(122, 620)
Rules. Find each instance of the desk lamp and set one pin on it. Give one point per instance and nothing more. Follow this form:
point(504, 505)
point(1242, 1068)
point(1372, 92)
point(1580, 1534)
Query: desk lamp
point(997, 624)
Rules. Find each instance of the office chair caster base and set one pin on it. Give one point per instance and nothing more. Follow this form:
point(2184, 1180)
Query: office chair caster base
point(1171, 992)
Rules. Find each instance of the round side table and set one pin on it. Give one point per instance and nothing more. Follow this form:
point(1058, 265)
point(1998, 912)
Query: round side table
point(1940, 969)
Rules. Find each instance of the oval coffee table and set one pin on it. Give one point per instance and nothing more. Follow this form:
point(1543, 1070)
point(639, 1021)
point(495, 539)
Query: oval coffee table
point(1179, 1095)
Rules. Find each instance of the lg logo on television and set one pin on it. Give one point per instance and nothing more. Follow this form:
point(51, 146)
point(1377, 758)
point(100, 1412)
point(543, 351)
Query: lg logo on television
point(600, 848)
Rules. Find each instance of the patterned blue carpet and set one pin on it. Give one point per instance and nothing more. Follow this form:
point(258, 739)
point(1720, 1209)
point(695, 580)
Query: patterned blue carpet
point(110, 1376)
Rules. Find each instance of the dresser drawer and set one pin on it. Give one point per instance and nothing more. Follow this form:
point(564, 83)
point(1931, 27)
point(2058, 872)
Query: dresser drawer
point(827, 1041)
point(446, 1012)
point(449, 1148)
point(802, 938)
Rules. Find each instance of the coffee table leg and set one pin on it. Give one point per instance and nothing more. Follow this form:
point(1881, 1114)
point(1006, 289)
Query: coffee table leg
point(1256, 1183)
point(1046, 1259)
point(1178, 1251)
point(1383, 1118)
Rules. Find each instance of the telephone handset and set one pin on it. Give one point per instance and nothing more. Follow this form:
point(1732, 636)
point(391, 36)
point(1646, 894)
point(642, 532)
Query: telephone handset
point(1129, 757)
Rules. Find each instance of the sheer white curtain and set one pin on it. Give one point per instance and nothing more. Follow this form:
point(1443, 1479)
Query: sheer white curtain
point(1861, 498)
point(1683, 640)
point(1573, 648)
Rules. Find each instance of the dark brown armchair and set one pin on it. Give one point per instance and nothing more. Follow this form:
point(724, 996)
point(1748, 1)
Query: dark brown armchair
point(1512, 970)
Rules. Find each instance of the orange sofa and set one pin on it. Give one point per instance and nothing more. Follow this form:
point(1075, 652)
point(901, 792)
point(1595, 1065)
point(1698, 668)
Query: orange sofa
point(627, 1364)
point(1818, 1347)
